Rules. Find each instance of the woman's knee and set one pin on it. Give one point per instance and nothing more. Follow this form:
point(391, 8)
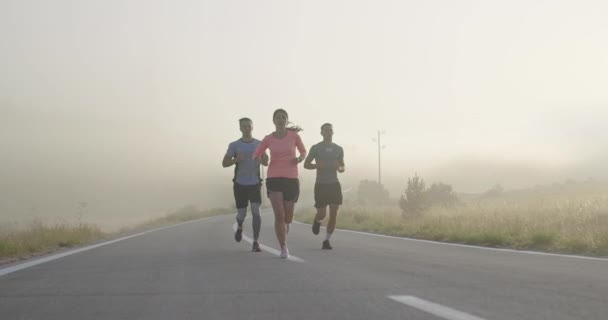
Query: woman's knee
point(289, 219)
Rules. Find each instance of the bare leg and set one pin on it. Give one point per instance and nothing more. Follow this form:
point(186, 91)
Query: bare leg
point(289, 207)
point(321, 213)
point(333, 214)
point(276, 199)
point(257, 220)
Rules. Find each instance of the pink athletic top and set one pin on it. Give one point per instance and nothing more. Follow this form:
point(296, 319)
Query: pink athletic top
point(282, 154)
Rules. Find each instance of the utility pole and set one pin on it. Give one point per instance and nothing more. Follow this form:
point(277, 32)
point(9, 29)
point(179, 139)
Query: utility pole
point(380, 147)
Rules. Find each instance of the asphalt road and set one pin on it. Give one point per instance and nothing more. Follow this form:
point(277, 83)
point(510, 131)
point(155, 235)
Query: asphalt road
point(197, 271)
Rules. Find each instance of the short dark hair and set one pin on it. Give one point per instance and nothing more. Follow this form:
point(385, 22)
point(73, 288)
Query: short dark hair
point(326, 124)
point(241, 120)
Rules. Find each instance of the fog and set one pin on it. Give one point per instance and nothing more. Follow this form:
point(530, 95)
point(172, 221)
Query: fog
point(128, 106)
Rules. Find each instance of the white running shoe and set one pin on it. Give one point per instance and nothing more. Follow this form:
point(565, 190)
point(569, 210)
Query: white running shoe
point(284, 252)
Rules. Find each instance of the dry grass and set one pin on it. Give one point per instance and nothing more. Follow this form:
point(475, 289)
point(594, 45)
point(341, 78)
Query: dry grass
point(38, 237)
point(565, 223)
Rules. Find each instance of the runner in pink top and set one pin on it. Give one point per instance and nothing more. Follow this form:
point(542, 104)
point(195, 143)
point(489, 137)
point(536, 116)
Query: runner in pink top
point(282, 183)
point(283, 153)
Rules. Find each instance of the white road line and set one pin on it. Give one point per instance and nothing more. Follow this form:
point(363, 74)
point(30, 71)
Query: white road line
point(467, 246)
point(434, 308)
point(267, 248)
point(21, 266)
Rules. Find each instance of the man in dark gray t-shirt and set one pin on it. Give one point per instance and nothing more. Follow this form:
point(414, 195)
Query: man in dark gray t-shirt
point(329, 161)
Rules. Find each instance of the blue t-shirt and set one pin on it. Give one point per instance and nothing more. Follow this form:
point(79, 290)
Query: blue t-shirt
point(246, 171)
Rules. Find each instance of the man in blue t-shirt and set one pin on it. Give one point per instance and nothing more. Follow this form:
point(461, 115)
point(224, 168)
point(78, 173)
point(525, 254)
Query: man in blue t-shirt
point(247, 181)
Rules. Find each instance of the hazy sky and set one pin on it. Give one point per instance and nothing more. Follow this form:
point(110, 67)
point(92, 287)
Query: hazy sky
point(135, 101)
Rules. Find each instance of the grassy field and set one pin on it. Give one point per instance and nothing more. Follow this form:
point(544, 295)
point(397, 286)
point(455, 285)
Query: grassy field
point(560, 221)
point(39, 238)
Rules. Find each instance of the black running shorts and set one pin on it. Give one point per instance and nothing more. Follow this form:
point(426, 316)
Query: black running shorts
point(328, 193)
point(290, 187)
point(244, 194)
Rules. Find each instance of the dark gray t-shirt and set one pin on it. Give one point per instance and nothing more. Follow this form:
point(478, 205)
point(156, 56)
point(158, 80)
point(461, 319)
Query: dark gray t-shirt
point(247, 171)
point(329, 154)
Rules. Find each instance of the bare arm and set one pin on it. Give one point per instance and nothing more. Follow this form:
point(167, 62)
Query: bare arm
point(228, 161)
point(309, 165)
point(301, 149)
point(308, 162)
point(341, 167)
point(264, 159)
point(230, 156)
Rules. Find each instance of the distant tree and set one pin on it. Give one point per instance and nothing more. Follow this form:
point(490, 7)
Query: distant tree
point(441, 194)
point(371, 192)
point(414, 201)
point(418, 198)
